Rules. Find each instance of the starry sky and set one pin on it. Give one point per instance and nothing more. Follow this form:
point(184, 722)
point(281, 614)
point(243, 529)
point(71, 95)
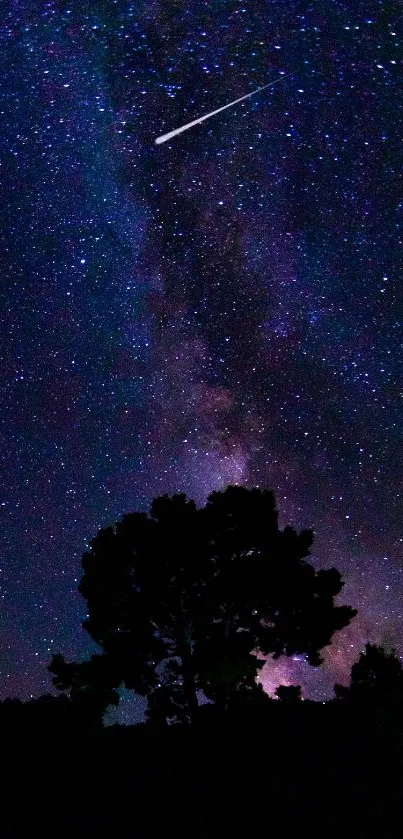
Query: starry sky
point(222, 308)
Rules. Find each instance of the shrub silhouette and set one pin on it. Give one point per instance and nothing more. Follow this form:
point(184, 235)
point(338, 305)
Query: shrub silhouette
point(376, 677)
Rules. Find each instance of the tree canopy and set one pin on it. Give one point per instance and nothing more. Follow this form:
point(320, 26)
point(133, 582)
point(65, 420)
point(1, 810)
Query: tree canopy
point(185, 599)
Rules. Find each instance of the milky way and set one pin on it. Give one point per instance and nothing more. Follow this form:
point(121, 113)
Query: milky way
point(222, 308)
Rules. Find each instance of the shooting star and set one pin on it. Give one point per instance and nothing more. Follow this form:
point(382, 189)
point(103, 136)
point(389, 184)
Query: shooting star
point(164, 137)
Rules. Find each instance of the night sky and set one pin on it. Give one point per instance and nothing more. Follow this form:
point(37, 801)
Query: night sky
point(222, 308)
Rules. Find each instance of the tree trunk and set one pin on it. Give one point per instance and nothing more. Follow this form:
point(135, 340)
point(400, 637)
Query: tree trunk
point(189, 681)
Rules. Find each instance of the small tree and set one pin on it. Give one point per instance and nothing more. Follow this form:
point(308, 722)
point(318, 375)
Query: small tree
point(188, 599)
point(376, 677)
point(91, 685)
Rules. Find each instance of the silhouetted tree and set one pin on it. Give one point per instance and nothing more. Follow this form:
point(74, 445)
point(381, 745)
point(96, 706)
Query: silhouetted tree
point(290, 694)
point(186, 599)
point(376, 677)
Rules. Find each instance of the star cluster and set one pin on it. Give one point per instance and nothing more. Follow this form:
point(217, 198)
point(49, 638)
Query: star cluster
point(223, 308)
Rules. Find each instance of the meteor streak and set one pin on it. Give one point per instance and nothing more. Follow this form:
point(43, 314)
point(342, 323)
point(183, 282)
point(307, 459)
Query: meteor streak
point(164, 137)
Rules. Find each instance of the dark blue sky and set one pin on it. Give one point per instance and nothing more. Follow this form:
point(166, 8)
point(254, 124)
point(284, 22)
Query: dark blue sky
point(223, 308)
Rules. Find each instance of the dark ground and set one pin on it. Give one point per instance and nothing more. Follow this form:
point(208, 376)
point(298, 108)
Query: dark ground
point(315, 770)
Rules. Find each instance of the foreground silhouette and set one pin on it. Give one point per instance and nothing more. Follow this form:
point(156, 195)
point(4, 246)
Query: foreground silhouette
point(188, 599)
point(224, 582)
point(292, 768)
